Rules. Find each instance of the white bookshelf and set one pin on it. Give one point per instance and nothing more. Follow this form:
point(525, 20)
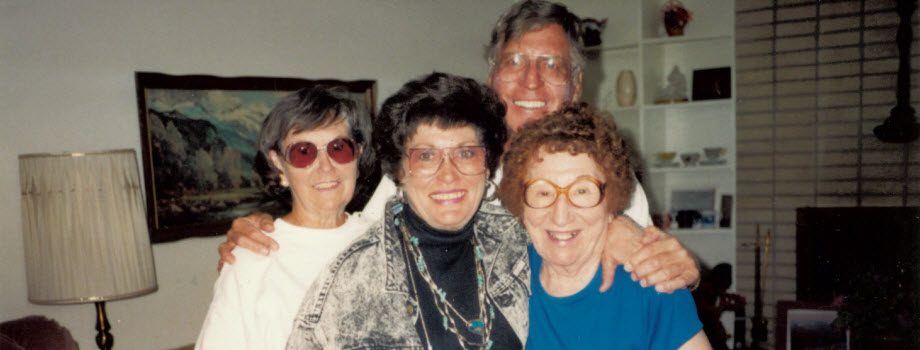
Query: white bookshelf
point(634, 39)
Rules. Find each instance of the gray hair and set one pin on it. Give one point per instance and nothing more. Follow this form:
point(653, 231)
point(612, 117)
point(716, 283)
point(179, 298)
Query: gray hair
point(526, 16)
point(309, 109)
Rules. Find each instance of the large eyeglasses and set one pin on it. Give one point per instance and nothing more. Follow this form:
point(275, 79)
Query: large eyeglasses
point(469, 160)
point(552, 69)
point(302, 154)
point(584, 192)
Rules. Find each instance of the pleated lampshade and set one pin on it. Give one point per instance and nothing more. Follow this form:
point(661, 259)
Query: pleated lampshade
point(84, 228)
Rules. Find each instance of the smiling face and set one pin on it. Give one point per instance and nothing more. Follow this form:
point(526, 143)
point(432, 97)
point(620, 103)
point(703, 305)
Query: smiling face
point(564, 235)
point(530, 97)
point(320, 190)
point(447, 199)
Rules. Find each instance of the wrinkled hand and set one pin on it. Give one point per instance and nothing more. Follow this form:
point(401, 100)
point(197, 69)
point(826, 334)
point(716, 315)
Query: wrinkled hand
point(662, 262)
point(651, 256)
point(246, 232)
point(623, 238)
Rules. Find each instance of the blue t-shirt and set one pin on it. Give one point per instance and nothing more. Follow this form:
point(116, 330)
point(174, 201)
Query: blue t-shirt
point(625, 317)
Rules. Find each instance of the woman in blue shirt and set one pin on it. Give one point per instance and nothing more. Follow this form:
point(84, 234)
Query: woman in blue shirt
point(576, 153)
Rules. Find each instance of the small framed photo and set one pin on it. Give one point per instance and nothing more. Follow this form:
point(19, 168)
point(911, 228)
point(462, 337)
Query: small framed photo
point(712, 83)
point(802, 325)
point(693, 199)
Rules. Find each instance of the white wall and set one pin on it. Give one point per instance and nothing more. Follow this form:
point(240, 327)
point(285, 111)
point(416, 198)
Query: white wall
point(67, 84)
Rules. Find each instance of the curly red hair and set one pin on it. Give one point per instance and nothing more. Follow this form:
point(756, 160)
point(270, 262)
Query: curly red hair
point(576, 128)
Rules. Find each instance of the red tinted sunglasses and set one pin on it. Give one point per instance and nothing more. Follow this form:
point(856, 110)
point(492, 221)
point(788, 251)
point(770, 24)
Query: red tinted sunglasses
point(302, 154)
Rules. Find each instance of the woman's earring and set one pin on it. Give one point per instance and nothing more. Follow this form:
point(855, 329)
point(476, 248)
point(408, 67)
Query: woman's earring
point(284, 181)
point(491, 186)
point(400, 194)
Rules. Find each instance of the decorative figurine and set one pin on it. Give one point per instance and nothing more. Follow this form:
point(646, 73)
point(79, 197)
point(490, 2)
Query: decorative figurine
point(676, 90)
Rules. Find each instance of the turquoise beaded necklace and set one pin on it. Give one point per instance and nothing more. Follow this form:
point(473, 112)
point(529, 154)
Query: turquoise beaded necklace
point(481, 325)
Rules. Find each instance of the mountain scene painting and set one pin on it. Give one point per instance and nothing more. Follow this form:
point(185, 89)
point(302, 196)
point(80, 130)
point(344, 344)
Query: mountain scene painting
point(198, 135)
point(203, 143)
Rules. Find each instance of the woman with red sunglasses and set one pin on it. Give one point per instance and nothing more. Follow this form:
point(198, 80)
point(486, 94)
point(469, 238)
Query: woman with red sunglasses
point(311, 146)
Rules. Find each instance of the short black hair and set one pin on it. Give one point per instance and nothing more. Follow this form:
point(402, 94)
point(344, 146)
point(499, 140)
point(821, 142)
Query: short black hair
point(309, 109)
point(443, 100)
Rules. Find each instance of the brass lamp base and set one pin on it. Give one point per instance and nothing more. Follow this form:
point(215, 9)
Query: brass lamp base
point(104, 339)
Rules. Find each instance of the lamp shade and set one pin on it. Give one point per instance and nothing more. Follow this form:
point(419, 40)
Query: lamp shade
point(84, 227)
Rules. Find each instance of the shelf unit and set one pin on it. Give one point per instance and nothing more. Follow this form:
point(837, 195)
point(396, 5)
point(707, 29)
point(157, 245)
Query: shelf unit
point(634, 39)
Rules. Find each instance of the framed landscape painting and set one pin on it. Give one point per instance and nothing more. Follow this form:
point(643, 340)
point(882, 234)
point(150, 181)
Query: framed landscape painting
point(198, 135)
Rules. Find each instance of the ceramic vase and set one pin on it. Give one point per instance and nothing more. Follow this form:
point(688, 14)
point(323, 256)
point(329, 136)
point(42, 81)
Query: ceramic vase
point(626, 88)
point(676, 17)
point(673, 25)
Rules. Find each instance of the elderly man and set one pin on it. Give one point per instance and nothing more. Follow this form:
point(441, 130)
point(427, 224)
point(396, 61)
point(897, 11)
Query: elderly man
point(535, 58)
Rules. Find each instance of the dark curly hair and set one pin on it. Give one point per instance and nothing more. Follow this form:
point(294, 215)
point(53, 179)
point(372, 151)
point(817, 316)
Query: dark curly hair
point(445, 101)
point(308, 109)
point(576, 128)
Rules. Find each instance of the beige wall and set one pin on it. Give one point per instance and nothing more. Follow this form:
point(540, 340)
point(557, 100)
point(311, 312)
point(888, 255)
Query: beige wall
point(67, 84)
point(807, 104)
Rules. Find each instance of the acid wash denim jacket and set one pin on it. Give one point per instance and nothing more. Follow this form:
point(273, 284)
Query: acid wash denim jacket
point(362, 300)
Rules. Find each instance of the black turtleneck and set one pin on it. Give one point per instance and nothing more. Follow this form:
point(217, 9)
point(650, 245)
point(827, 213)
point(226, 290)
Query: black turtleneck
point(451, 264)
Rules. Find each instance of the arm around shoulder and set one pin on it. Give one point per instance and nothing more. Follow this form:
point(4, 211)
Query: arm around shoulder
point(247, 232)
point(638, 207)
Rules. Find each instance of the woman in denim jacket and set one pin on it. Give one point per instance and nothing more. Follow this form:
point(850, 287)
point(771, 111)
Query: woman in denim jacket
point(366, 300)
point(443, 270)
